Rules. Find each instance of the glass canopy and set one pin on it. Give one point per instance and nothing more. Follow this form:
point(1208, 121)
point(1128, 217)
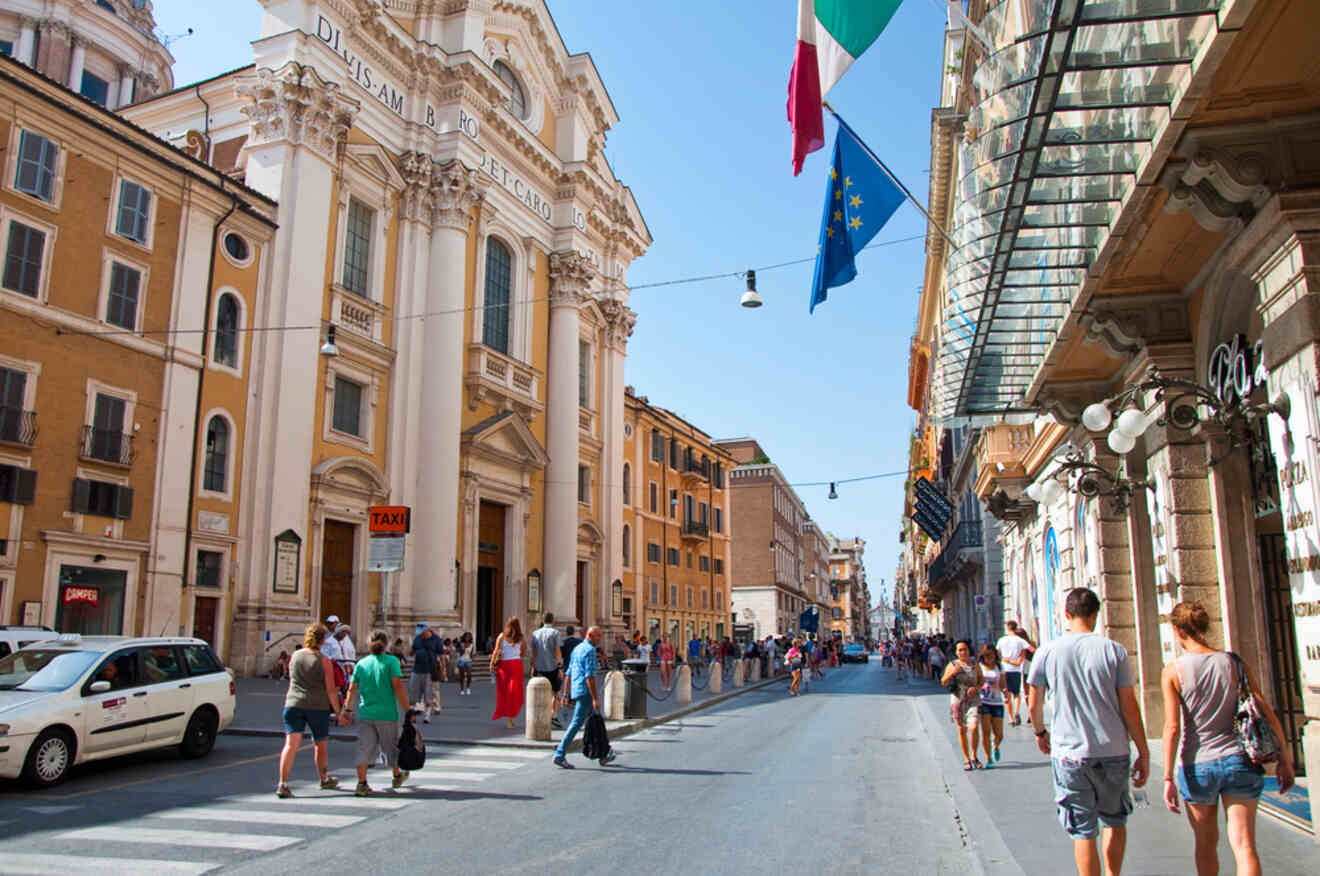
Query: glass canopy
point(1068, 104)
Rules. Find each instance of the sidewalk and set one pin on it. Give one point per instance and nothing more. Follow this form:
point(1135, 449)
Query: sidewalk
point(1008, 812)
point(466, 720)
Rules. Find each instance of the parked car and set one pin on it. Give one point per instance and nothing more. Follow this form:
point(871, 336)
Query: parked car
point(854, 652)
point(14, 637)
point(73, 699)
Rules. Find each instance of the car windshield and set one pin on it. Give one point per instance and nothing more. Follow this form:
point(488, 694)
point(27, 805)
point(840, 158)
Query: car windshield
point(44, 669)
point(853, 648)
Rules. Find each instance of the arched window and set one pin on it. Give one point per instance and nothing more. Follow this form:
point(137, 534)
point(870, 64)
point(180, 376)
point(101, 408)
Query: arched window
point(517, 98)
point(495, 322)
point(627, 545)
point(217, 455)
point(226, 331)
point(627, 484)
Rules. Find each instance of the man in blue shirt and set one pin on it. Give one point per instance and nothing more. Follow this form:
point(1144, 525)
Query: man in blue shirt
point(694, 653)
point(581, 685)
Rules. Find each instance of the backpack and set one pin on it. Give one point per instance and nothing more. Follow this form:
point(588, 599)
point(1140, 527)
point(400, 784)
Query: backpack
point(595, 742)
point(412, 748)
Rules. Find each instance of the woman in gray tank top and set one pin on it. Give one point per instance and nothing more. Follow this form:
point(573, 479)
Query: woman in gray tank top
point(309, 705)
point(1200, 704)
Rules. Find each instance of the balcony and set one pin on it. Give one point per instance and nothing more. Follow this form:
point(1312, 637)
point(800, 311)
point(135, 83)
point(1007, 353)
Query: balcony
point(964, 548)
point(502, 381)
point(17, 426)
point(586, 421)
point(357, 314)
point(106, 445)
point(695, 530)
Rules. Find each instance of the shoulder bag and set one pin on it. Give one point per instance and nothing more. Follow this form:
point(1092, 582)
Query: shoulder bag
point(1254, 733)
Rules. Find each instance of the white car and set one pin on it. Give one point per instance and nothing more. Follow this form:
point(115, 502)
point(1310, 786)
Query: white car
point(73, 699)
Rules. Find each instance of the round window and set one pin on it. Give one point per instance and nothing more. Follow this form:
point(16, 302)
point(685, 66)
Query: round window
point(237, 247)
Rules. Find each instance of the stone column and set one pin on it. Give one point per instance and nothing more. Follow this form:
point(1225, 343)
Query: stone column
point(716, 675)
point(619, 321)
point(298, 123)
point(27, 41)
point(76, 62)
point(683, 685)
point(616, 691)
point(127, 84)
point(455, 190)
point(540, 708)
point(569, 276)
point(413, 263)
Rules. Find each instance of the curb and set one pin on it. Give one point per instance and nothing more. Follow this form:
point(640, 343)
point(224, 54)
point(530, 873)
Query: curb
point(618, 731)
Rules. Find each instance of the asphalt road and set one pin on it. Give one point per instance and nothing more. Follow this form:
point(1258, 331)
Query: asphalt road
point(857, 776)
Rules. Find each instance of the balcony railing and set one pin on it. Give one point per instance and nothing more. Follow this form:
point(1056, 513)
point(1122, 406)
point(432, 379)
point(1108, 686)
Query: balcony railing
point(935, 571)
point(695, 529)
point(106, 445)
point(967, 535)
point(697, 466)
point(357, 314)
point(17, 426)
point(494, 377)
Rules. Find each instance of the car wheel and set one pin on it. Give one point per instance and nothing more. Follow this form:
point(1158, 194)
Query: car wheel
point(49, 758)
point(199, 738)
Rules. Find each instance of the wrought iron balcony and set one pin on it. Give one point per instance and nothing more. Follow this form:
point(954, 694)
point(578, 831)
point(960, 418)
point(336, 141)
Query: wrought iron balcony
point(695, 529)
point(17, 426)
point(106, 445)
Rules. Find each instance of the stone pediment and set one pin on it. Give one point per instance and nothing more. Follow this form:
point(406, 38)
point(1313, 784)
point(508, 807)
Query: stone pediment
point(505, 438)
point(350, 475)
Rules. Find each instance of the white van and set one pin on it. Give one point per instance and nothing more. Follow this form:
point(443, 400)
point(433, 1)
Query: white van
point(71, 699)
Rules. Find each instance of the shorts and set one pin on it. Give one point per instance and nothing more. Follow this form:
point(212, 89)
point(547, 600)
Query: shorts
point(1204, 782)
point(1013, 682)
point(382, 735)
point(1090, 792)
point(555, 678)
point(316, 720)
point(419, 687)
point(992, 710)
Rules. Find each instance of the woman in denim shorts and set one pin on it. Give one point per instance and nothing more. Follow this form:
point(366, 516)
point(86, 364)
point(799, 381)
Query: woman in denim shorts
point(1200, 694)
point(310, 703)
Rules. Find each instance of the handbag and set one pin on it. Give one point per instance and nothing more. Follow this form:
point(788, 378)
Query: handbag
point(1254, 733)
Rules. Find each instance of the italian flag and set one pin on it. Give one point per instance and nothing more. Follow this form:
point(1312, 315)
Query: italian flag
point(830, 36)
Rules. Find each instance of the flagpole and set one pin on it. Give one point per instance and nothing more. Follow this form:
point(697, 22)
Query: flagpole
point(893, 179)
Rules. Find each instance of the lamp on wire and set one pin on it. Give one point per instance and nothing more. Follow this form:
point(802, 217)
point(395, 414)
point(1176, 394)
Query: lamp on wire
point(751, 298)
point(329, 348)
point(834, 494)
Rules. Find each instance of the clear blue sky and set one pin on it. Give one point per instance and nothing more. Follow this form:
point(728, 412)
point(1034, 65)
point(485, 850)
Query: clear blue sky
point(700, 89)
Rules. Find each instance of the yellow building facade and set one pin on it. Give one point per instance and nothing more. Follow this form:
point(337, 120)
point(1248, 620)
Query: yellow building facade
point(677, 543)
point(446, 209)
point(132, 273)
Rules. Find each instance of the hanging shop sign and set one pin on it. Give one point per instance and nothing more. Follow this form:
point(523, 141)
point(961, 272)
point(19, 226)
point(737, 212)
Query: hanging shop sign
point(1236, 370)
point(1295, 452)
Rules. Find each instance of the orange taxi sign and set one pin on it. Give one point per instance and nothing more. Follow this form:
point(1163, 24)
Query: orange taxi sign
point(390, 518)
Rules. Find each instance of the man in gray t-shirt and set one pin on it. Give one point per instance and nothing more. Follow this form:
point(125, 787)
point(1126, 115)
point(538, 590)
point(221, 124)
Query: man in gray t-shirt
point(1095, 713)
point(547, 656)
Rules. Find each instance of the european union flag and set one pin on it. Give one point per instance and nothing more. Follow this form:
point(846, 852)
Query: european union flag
point(859, 199)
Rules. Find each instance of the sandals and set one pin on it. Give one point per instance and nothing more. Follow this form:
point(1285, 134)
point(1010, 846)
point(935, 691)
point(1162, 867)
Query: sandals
point(976, 764)
point(967, 766)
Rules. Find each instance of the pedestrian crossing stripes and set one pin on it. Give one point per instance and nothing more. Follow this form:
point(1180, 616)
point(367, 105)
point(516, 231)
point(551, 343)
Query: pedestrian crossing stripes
point(44, 864)
point(315, 799)
point(473, 764)
point(436, 774)
point(287, 817)
point(248, 842)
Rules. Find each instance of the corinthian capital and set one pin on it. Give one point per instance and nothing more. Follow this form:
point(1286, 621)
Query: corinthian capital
point(570, 275)
point(415, 168)
point(295, 104)
point(455, 190)
point(619, 322)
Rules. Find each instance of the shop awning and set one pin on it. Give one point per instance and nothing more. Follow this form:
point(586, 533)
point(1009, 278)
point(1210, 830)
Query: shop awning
point(1070, 101)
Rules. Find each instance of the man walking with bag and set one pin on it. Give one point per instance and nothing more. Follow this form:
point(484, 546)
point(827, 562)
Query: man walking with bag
point(581, 685)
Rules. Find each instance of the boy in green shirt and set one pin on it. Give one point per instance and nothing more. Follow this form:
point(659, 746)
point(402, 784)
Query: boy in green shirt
point(378, 680)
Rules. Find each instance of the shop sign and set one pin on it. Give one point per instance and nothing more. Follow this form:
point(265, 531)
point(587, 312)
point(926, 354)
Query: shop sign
point(1294, 446)
point(89, 595)
point(1236, 370)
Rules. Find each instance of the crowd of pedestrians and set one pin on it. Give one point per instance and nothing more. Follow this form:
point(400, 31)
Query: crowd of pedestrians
point(1096, 738)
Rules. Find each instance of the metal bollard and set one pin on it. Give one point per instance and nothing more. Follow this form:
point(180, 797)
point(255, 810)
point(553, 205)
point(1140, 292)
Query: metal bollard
point(716, 684)
point(683, 685)
point(738, 669)
point(540, 706)
point(616, 690)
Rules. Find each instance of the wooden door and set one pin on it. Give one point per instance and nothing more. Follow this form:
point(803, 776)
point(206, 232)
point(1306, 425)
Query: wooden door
point(205, 609)
point(337, 570)
point(582, 593)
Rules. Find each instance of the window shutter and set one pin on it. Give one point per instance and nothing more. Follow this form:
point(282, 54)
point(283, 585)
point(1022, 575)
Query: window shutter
point(82, 495)
point(124, 503)
point(27, 487)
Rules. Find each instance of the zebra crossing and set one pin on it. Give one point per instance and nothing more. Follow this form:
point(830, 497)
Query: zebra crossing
point(200, 838)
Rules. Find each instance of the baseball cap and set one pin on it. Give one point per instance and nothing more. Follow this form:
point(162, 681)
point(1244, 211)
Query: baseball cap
point(332, 619)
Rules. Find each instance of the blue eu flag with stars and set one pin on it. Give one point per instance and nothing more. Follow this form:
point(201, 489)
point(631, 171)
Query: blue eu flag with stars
point(859, 199)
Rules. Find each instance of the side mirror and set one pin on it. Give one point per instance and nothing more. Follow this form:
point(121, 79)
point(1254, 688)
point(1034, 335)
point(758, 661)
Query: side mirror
point(99, 686)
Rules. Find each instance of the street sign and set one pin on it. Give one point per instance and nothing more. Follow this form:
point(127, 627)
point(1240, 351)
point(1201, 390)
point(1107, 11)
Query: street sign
point(390, 518)
point(385, 552)
point(980, 602)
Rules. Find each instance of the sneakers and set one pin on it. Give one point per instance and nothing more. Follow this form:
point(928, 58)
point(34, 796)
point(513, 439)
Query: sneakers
point(996, 754)
point(362, 790)
point(329, 783)
point(399, 779)
point(562, 763)
point(283, 792)
point(608, 759)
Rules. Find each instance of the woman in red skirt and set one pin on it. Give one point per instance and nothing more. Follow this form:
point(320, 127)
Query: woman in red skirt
point(506, 664)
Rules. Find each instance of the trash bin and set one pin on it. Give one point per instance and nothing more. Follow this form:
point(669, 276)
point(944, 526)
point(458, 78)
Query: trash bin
point(634, 704)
